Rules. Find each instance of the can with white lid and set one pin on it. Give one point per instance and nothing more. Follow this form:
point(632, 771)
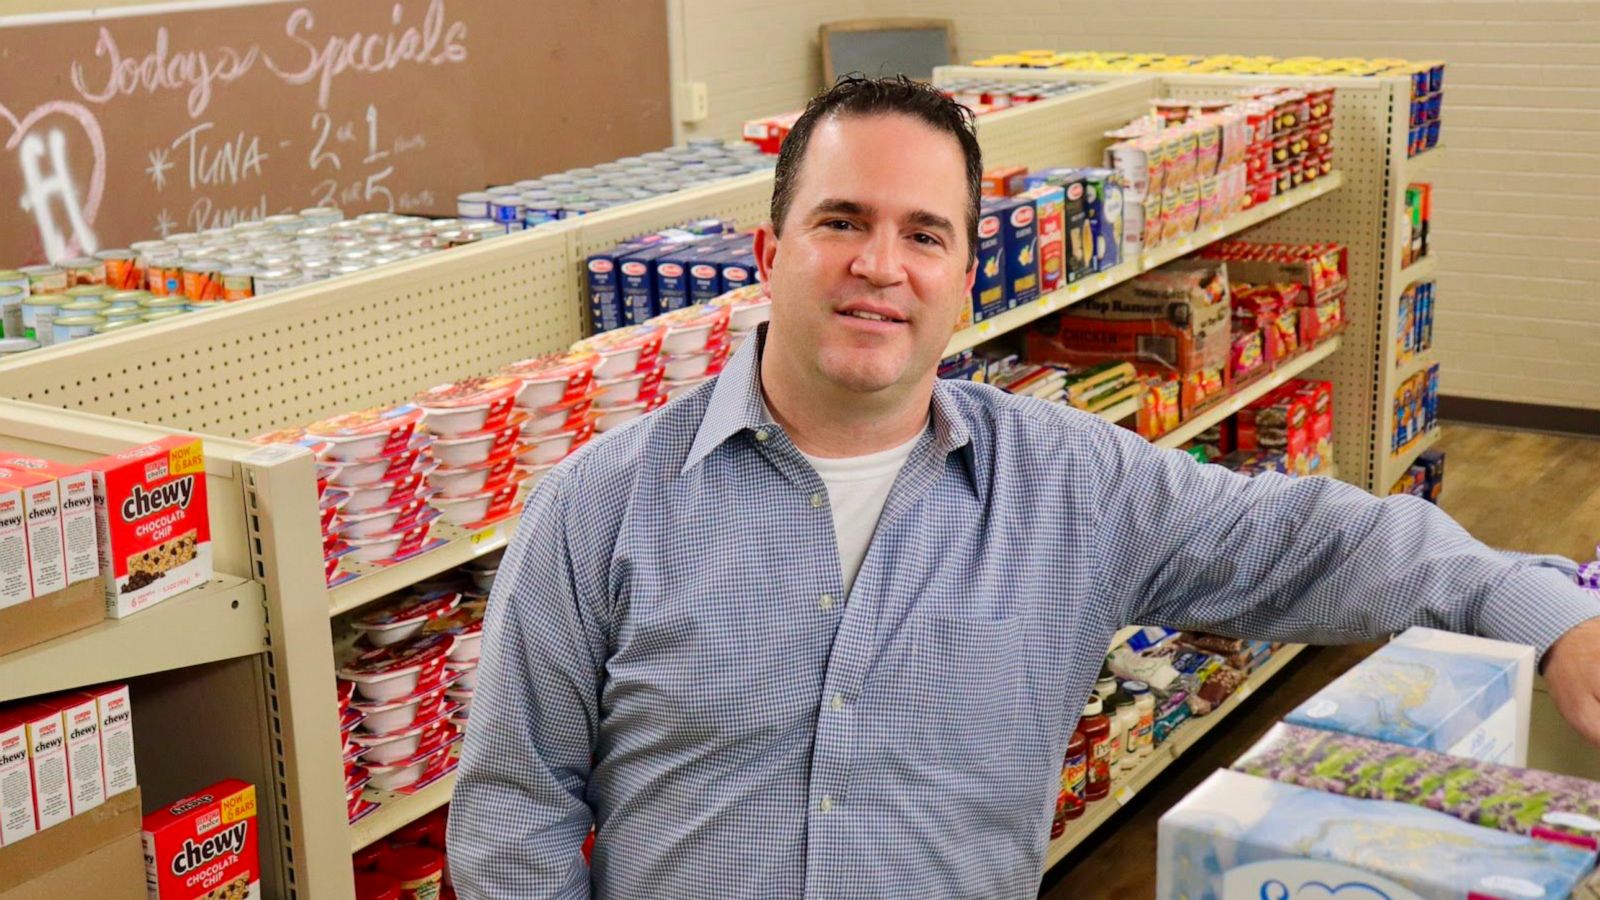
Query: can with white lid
point(11, 346)
point(71, 328)
point(277, 278)
point(473, 205)
point(283, 224)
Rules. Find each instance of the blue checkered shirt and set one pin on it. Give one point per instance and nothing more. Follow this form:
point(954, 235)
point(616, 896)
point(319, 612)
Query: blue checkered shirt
point(668, 657)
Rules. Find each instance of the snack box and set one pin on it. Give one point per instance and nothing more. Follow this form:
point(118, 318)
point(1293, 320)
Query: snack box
point(989, 287)
point(205, 846)
point(16, 578)
point(45, 732)
point(1049, 214)
point(1078, 230)
point(17, 815)
point(40, 512)
point(1020, 236)
point(152, 523)
point(75, 489)
point(114, 712)
point(1449, 693)
point(1239, 836)
point(1004, 182)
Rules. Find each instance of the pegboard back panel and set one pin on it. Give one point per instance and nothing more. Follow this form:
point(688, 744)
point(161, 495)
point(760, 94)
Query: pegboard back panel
point(1065, 131)
point(366, 339)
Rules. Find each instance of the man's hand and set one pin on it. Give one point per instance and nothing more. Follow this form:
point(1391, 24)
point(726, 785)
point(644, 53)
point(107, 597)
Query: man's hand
point(1572, 671)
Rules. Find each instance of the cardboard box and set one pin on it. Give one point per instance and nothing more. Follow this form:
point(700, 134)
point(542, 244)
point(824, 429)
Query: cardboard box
point(1238, 836)
point(1449, 693)
point(152, 522)
point(94, 855)
point(17, 816)
point(1005, 182)
point(204, 842)
point(76, 490)
point(41, 512)
point(1048, 205)
point(114, 711)
point(80, 717)
point(1177, 316)
point(48, 617)
point(605, 292)
point(989, 287)
point(47, 763)
point(1319, 400)
point(1077, 228)
point(1021, 237)
point(16, 579)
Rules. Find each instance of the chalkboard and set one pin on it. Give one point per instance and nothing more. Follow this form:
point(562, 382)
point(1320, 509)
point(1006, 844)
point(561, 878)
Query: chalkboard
point(880, 47)
point(133, 123)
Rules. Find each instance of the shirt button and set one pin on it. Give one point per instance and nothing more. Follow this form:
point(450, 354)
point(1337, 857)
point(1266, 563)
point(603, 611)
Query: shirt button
point(827, 803)
point(817, 500)
point(837, 703)
point(827, 601)
point(762, 435)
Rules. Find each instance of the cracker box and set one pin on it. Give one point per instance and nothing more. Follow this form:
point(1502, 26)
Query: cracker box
point(16, 782)
point(1240, 836)
point(204, 847)
point(76, 490)
point(16, 582)
point(1021, 239)
point(47, 763)
point(989, 287)
point(41, 515)
point(114, 712)
point(1449, 693)
point(154, 531)
point(85, 780)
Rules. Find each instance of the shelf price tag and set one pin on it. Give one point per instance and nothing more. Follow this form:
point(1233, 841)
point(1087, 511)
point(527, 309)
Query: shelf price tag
point(485, 536)
point(1123, 795)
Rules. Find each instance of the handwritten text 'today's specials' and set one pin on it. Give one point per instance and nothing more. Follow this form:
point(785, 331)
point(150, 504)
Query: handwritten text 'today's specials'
point(433, 41)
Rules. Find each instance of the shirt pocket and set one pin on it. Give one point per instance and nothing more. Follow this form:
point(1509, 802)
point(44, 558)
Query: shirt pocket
point(965, 686)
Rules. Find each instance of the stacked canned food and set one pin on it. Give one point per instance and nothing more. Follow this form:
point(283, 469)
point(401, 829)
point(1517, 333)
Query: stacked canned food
point(154, 280)
point(983, 97)
point(576, 192)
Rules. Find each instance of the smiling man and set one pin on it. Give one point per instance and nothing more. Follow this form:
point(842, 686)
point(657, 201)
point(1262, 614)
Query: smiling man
point(823, 627)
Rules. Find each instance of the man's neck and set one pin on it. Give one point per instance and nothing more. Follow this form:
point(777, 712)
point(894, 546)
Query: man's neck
point(825, 421)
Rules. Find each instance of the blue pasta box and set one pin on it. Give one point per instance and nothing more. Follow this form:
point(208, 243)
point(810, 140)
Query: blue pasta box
point(1105, 218)
point(705, 273)
point(638, 286)
point(739, 269)
point(1434, 690)
point(1242, 837)
point(989, 287)
point(604, 275)
point(671, 272)
point(1019, 228)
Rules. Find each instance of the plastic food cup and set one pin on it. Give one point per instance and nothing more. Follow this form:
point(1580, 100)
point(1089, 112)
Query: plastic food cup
point(676, 389)
point(391, 544)
point(466, 625)
point(389, 673)
point(688, 366)
point(468, 480)
point(466, 675)
point(551, 448)
point(390, 778)
point(558, 417)
point(399, 621)
point(618, 416)
point(693, 328)
point(553, 378)
point(477, 507)
point(478, 447)
point(395, 517)
point(367, 498)
point(468, 406)
point(399, 716)
point(382, 431)
point(628, 389)
point(624, 350)
point(357, 472)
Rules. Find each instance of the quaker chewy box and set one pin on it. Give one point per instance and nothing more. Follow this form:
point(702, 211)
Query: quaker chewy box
point(1239, 837)
point(1449, 693)
point(989, 288)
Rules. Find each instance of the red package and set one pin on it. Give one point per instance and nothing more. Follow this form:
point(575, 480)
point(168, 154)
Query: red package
point(204, 844)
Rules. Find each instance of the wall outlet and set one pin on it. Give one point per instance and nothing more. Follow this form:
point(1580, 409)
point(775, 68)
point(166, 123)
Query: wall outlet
point(696, 102)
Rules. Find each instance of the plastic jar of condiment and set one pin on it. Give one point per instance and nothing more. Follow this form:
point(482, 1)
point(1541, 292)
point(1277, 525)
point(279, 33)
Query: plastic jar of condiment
point(420, 871)
point(1074, 772)
point(378, 886)
point(1106, 684)
point(1146, 704)
point(411, 833)
point(1096, 730)
point(1126, 710)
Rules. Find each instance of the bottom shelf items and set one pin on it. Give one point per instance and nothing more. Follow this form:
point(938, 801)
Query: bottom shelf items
point(1126, 786)
point(396, 810)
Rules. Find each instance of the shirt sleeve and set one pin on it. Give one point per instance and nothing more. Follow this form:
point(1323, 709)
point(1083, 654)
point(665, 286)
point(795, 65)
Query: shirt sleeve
point(518, 817)
point(1311, 560)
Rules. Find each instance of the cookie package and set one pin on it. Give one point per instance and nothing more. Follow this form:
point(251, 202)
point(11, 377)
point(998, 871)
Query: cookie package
point(153, 527)
point(205, 846)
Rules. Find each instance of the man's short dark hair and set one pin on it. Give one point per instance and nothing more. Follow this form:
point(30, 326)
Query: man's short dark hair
point(856, 95)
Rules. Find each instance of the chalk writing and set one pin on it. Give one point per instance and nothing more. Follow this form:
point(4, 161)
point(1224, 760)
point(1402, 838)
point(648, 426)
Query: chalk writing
point(161, 70)
point(160, 164)
point(235, 160)
point(435, 43)
point(205, 214)
point(40, 188)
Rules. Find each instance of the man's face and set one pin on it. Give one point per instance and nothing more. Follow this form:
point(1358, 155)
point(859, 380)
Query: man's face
point(871, 272)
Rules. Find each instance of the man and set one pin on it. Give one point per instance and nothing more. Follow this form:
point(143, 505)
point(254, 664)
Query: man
point(823, 627)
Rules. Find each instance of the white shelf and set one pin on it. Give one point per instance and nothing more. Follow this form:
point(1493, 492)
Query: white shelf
point(1125, 786)
point(1419, 362)
point(1401, 461)
point(223, 619)
point(1188, 430)
point(1424, 163)
point(991, 328)
point(1419, 270)
point(380, 581)
point(399, 810)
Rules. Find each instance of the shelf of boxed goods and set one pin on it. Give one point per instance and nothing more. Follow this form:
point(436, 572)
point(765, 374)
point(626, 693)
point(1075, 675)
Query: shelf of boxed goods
point(398, 811)
point(1402, 459)
point(1419, 362)
point(1256, 389)
point(221, 620)
point(991, 328)
point(1125, 786)
point(1127, 409)
point(1421, 270)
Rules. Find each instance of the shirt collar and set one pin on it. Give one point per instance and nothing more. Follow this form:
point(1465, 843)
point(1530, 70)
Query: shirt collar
point(737, 405)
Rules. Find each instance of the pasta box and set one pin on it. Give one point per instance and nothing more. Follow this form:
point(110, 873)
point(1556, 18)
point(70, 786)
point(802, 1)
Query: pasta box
point(989, 286)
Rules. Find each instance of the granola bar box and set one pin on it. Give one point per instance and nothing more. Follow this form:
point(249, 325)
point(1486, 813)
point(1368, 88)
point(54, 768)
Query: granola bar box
point(154, 531)
point(205, 846)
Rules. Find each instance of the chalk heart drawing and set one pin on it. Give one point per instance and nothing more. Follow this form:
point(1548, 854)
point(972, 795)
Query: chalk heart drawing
point(40, 188)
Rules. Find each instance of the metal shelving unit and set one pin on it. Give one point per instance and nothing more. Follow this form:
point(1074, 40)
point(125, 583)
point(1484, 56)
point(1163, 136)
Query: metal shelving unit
point(378, 337)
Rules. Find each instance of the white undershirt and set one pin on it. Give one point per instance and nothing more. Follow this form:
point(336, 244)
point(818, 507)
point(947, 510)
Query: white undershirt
point(858, 487)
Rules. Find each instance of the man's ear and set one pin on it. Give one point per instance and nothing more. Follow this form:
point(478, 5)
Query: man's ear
point(766, 250)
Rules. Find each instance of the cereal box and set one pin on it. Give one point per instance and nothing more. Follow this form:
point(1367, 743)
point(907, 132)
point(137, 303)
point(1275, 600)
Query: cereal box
point(76, 490)
point(204, 847)
point(47, 763)
point(16, 585)
point(155, 536)
point(114, 712)
point(16, 784)
point(85, 782)
point(41, 513)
